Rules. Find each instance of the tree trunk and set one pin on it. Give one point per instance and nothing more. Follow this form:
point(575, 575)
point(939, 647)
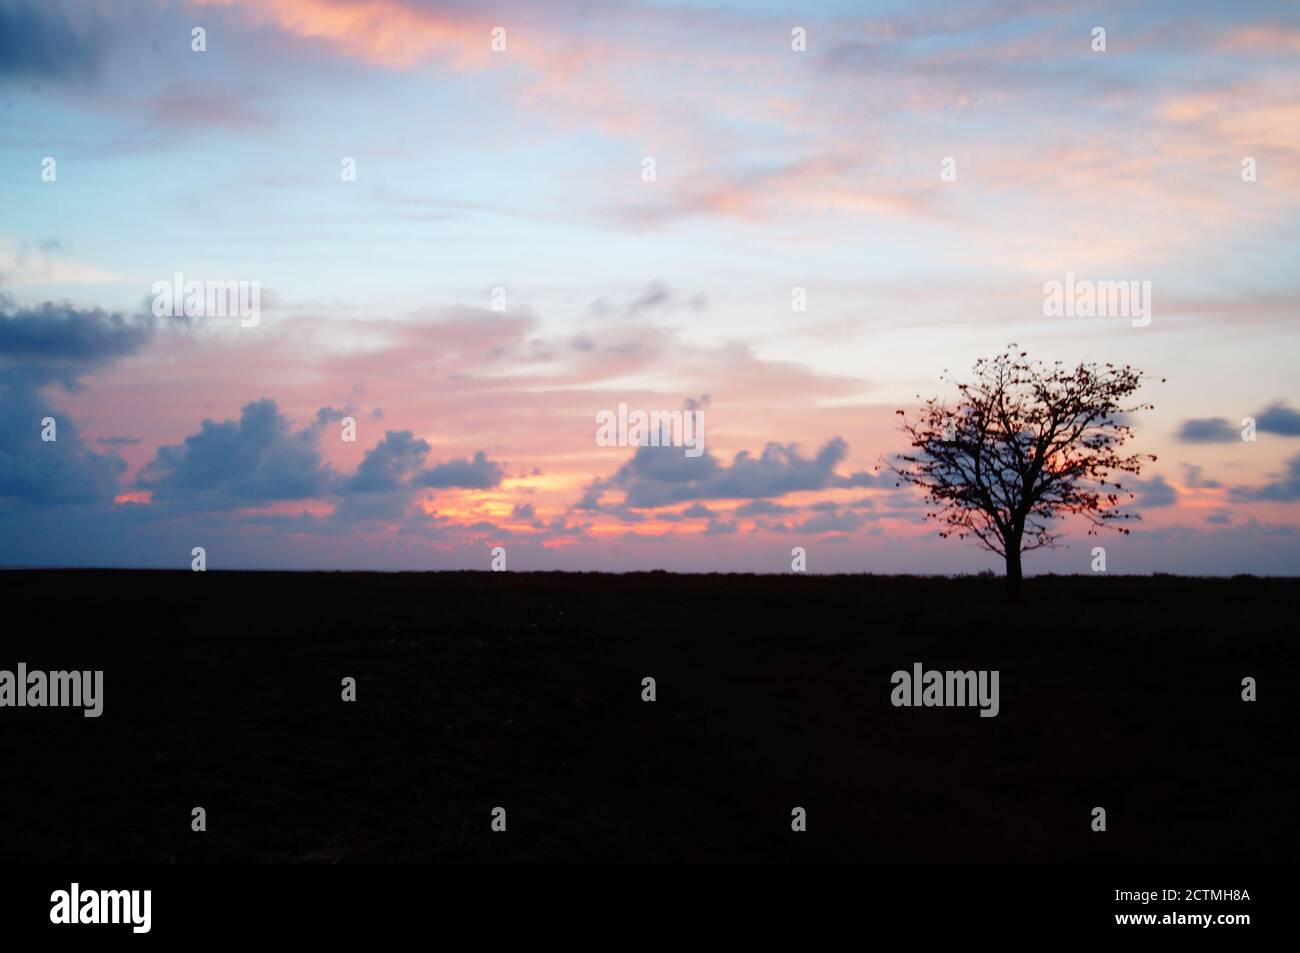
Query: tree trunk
point(1015, 579)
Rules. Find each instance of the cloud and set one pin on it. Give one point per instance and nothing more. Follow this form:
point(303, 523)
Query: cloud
point(1154, 493)
point(258, 458)
point(332, 415)
point(656, 298)
point(389, 464)
point(1278, 419)
point(662, 476)
point(261, 459)
point(762, 508)
point(1285, 488)
point(833, 183)
point(833, 521)
point(61, 471)
point(47, 344)
point(394, 33)
point(860, 478)
point(37, 42)
point(391, 474)
point(206, 109)
point(1192, 477)
point(54, 342)
point(1207, 430)
point(45, 262)
point(477, 474)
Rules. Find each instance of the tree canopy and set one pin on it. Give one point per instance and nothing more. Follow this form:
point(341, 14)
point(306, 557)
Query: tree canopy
point(1025, 444)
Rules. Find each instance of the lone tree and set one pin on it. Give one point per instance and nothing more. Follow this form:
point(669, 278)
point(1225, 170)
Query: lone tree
point(1026, 444)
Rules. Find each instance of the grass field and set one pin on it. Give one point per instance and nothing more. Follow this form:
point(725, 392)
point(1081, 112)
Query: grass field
point(520, 690)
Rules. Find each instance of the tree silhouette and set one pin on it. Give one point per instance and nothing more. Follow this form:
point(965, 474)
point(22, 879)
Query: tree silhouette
point(1026, 444)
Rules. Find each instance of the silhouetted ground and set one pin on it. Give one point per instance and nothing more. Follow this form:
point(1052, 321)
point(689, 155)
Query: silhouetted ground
point(222, 690)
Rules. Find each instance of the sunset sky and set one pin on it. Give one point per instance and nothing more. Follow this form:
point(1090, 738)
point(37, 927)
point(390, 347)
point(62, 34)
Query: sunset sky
point(522, 170)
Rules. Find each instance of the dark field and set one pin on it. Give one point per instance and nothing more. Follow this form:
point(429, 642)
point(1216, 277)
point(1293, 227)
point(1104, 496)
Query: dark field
point(222, 690)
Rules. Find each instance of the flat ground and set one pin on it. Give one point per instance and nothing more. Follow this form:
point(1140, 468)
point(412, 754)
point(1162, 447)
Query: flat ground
point(524, 690)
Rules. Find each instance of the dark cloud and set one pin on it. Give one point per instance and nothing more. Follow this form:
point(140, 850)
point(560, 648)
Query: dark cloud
point(1207, 430)
point(662, 476)
point(592, 502)
point(1154, 492)
point(559, 526)
point(831, 521)
point(1192, 477)
point(523, 511)
point(389, 464)
point(1278, 419)
point(697, 511)
point(329, 415)
point(860, 478)
point(762, 508)
point(58, 343)
point(237, 462)
point(38, 42)
point(389, 477)
point(479, 473)
point(61, 471)
point(261, 458)
point(378, 506)
point(1285, 488)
